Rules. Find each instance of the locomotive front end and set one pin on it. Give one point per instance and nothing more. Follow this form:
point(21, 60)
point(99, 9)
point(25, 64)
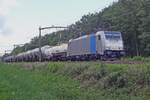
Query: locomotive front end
point(113, 45)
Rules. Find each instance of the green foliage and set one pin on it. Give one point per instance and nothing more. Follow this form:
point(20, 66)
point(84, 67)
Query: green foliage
point(111, 79)
point(84, 81)
point(20, 84)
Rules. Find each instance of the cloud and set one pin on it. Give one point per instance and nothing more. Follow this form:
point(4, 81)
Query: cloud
point(5, 8)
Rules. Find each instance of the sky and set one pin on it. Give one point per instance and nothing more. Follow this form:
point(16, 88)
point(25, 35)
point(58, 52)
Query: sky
point(20, 19)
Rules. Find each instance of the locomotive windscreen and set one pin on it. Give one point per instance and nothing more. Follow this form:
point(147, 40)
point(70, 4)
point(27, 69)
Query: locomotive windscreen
point(113, 35)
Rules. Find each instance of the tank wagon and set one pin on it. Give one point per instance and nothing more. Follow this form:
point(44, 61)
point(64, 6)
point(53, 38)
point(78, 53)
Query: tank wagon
point(56, 52)
point(99, 45)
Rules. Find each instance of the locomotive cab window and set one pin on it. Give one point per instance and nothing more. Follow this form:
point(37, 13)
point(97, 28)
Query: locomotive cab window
point(113, 36)
point(99, 37)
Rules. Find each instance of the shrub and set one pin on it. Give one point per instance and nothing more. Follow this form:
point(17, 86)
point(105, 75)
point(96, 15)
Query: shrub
point(73, 70)
point(55, 67)
point(113, 80)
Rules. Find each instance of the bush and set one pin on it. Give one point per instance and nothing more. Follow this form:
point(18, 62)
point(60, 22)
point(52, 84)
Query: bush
point(113, 80)
point(73, 70)
point(55, 67)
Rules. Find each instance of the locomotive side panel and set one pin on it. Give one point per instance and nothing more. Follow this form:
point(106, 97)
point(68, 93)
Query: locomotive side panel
point(79, 46)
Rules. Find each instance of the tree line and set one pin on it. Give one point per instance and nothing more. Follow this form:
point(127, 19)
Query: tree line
point(131, 17)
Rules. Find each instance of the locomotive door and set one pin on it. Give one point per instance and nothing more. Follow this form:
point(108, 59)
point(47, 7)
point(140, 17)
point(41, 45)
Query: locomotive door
point(99, 45)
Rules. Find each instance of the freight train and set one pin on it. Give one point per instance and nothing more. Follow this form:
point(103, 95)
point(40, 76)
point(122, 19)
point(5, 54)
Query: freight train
point(99, 45)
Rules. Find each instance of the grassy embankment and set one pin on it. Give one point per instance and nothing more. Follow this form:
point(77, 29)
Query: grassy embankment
point(74, 81)
point(136, 58)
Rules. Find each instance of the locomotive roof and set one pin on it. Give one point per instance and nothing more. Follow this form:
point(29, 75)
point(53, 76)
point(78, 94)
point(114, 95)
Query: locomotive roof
point(99, 32)
point(85, 36)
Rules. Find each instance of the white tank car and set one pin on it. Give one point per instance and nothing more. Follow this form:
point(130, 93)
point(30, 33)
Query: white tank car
point(57, 51)
point(43, 49)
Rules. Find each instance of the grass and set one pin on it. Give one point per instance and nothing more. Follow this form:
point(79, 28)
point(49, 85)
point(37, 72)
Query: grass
point(74, 81)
